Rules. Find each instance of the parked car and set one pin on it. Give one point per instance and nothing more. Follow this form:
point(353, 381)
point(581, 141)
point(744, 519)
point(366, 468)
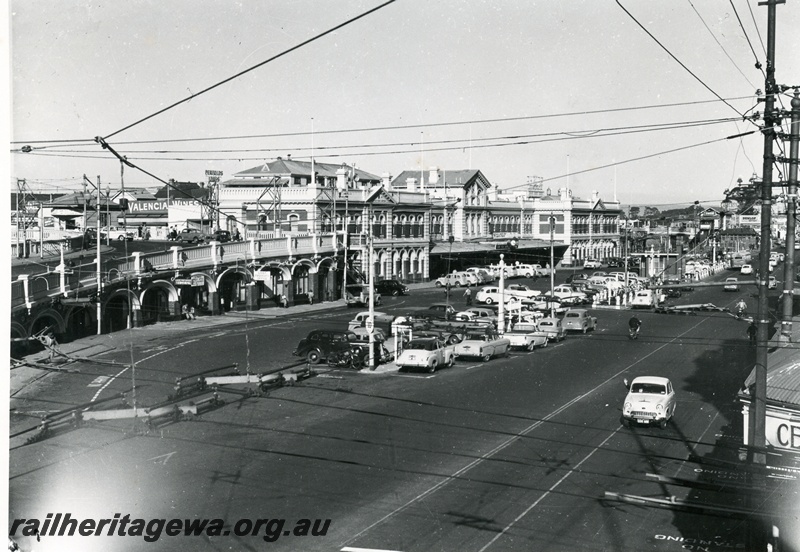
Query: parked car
point(318, 344)
point(528, 271)
point(391, 287)
point(191, 235)
point(362, 335)
point(117, 233)
point(457, 279)
point(484, 275)
point(381, 320)
point(443, 311)
point(731, 284)
point(219, 236)
point(650, 400)
point(428, 353)
point(592, 263)
point(645, 299)
point(553, 327)
point(522, 291)
point(509, 271)
point(483, 314)
point(579, 320)
point(528, 340)
point(565, 292)
point(482, 345)
point(491, 295)
point(577, 277)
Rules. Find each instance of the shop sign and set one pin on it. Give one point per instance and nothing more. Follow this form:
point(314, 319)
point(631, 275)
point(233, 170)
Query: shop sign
point(183, 281)
point(262, 276)
point(198, 280)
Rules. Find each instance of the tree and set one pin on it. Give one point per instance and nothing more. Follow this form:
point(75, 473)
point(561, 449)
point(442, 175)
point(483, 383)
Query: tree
point(633, 212)
point(651, 212)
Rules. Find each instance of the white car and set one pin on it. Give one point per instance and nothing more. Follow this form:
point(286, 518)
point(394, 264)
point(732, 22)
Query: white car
point(731, 284)
point(428, 353)
point(592, 263)
point(565, 292)
point(491, 295)
point(528, 340)
point(483, 346)
point(528, 271)
point(650, 400)
point(746, 269)
point(522, 291)
point(117, 233)
point(554, 328)
point(381, 320)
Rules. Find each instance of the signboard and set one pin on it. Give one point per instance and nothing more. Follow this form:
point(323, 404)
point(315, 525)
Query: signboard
point(161, 205)
point(369, 324)
point(198, 280)
point(262, 275)
point(183, 281)
point(213, 176)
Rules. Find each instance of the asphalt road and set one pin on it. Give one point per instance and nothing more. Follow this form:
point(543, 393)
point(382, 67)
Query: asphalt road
point(513, 454)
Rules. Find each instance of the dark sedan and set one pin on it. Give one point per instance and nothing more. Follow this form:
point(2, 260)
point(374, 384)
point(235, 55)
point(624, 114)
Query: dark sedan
point(391, 287)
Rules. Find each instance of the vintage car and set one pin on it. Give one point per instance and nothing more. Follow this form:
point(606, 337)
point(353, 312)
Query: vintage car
point(645, 299)
point(357, 295)
point(482, 345)
point(592, 263)
point(117, 233)
point(553, 328)
point(362, 335)
point(579, 320)
point(566, 292)
point(391, 287)
point(528, 340)
point(746, 269)
point(731, 284)
point(381, 320)
point(650, 400)
point(319, 344)
point(522, 291)
point(428, 353)
point(484, 314)
point(491, 295)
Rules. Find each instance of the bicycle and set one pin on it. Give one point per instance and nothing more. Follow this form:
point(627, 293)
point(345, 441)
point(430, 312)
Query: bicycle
point(633, 333)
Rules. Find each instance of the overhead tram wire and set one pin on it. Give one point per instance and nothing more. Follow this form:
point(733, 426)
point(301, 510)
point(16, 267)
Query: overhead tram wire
point(752, 86)
point(599, 132)
point(758, 32)
point(679, 62)
point(92, 142)
point(256, 66)
point(747, 37)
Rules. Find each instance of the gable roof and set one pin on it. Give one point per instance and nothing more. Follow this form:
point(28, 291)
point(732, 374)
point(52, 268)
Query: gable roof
point(291, 167)
point(451, 179)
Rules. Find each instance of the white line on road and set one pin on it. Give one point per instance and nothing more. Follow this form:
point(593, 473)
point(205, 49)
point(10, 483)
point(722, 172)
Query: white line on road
point(505, 444)
point(351, 549)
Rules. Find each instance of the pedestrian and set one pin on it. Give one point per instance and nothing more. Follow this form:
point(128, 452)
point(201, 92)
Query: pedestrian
point(752, 332)
point(468, 297)
point(284, 301)
point(236, 235)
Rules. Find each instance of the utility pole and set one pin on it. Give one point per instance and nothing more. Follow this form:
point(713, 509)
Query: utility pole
point(371, 319)
point(791, 224)
point(99, 265)
point(758, 408)
point(501, 306)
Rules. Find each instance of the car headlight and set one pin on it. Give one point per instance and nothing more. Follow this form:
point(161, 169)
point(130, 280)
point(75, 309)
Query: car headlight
point(659, 408)
point(627, 406)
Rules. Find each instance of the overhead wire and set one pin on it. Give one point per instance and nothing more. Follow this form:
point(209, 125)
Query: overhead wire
point(252, 68)
point(720, 45)
point(747, 37)
point(679, 62)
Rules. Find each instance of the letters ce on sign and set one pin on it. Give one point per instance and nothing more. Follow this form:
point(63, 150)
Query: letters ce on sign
point(782, 428)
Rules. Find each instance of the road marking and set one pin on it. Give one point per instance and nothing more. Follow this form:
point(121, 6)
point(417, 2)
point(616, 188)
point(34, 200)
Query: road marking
point(508, 442)
point(351, 549)
point(98, 381)
point(166, 457)
point(548, 491)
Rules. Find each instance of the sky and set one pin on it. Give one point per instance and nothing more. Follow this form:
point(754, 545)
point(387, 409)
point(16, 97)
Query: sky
point(515, 88)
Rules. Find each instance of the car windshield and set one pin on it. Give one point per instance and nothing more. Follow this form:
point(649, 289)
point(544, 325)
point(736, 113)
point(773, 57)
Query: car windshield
point(650, 388)
point(421, 345)
point(573, 315)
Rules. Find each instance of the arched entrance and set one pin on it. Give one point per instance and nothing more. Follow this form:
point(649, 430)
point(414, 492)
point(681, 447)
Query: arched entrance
point(159, 302)
point(121, 310)
point(232, 288)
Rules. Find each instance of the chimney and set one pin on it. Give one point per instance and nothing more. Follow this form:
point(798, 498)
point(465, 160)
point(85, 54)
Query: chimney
point(433, 179)
point(595, 196)
point(411, 184)
point(341, 178)
point(386, 181)
point(563, 193)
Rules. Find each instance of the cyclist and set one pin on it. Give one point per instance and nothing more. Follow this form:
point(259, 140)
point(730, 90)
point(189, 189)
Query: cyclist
point(634, 325)
point(741, 308)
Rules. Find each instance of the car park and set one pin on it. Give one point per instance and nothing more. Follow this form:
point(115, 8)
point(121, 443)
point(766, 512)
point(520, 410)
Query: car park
point(650, 400)
point(553, 328)
point(428, 353)
point(391, 287)
point(731, 284)
point(483, 345)
point(592, 263)
point(318, 344)
point(579, 320)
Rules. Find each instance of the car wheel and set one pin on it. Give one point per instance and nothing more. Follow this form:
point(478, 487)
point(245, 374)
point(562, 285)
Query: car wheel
point(457, 284)
point(120, 238)
point(432, 367)
point(313, 357)
point(584, 329)
point(451, 361)
point(489, 301)
point(626, 422)
point(662, 424)
point(487, 357)
point(395, 293)
point(438, 284)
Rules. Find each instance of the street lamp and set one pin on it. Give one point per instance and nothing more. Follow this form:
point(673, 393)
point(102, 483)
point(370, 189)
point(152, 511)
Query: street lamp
point(450, 239)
